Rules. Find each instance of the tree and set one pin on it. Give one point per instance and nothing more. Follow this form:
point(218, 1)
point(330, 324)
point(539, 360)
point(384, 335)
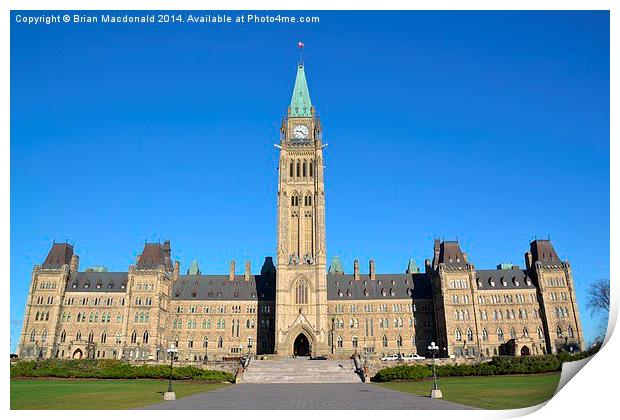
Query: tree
point(598, 297)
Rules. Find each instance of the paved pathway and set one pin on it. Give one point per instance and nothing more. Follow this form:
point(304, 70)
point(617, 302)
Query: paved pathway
point(362, 396)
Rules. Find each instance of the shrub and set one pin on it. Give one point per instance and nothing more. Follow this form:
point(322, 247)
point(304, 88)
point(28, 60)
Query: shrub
point(112, 369)
point(499, 365)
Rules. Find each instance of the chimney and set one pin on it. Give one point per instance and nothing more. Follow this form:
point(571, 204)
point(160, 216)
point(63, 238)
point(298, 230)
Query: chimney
point(177, 268)
point(371, 269)
point(231, 275)
point(75, 262)
point(356, 269)
point(528, 260)
point(248, 271)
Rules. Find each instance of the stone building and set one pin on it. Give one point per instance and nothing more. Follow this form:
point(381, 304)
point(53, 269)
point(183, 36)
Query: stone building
point(299, 305)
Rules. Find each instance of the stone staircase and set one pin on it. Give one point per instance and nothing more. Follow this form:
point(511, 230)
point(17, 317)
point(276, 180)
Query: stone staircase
point(299, 370)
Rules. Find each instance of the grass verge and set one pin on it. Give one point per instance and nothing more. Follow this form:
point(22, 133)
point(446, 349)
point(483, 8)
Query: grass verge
point(96, 394)
point(489, 392)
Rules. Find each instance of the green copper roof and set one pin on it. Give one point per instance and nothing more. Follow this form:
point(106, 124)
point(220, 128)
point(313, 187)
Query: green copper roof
point(193, 268)
point(505, 266)
point(98, 269)
point(336, 266)
point(300, 102)
point(412, 267)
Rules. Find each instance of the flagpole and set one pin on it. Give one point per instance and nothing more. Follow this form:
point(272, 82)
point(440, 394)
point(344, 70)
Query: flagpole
point(300, 45)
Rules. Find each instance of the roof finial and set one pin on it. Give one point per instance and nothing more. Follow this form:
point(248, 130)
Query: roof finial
point(300, 45)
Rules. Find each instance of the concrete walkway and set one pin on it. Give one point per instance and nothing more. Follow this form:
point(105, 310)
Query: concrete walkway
point(362, 396)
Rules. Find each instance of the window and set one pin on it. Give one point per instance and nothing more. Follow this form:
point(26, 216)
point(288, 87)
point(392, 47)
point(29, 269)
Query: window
point(354, 342)
point(220, 343)
point(63, 336)
point(134, 337)
point(500, 335)
point(33, 334)
point(44, 336)
point(470, 335)
point(301, 295)
point(485, 335)
point(513, 334)
point(571, 333)
point(384, 341)
point(399, 341)
point(205, 342)
point(457, 335)
point(526, 333)
point(339, 342)
point(540, 333)
point(104, 337)
point(145, 337)
point(118, 337)
point(558, 331)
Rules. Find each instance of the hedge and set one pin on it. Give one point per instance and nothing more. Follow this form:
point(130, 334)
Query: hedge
point(112, 369)
point(499, 365)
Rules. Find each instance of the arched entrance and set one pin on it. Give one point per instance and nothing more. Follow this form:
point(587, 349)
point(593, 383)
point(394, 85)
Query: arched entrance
point(301, 347)
point(77, 354)
point(525, 351)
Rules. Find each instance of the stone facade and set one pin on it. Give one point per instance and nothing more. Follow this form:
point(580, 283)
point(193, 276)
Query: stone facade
point(300, 306)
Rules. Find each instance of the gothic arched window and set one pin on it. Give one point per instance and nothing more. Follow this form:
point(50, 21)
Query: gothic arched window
point(145, 337)
point(500, 335)
point(470, 335)
point(298, 169)
point(104, 337)
point(385, 341)
point(134, 336)
point(291, 172)
point(301, 292)
point(63, 336)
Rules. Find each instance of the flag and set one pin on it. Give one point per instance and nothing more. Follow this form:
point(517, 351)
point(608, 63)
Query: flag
point(300, 45)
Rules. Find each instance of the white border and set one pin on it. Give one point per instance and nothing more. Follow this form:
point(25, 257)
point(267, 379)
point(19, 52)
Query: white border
point(591, 394)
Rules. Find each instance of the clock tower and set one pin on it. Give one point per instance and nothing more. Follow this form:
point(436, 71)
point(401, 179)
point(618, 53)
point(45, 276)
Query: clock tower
point(301, 282)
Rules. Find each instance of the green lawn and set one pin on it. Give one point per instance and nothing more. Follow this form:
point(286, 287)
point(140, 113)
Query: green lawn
point(490, 392)
point(96, 394)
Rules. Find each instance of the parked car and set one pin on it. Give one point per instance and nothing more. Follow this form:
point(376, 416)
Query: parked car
point(389, 358)
point(413, 356)
point(319, 358)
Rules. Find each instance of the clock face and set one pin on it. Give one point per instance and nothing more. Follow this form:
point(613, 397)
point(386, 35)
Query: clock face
point(301, 132)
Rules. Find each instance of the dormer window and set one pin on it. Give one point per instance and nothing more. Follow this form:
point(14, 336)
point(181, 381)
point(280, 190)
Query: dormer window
point(365, 292)
point(110, 285)
point(86, 285)
point(491, 282)
point(504, 283)
point(74, 285)
point(123, 286)
point(210, 294)
point(391, 292)
point(382, 292)
point(236, 294)
point(177, 294)
point(349, 292)
point(219, 294)
point(98, 286)
point(479, 282)
point(515, 281)
point(340, 293)
point(528, 281)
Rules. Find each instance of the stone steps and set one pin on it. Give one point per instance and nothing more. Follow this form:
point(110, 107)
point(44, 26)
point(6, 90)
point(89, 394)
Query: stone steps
point(299, 371)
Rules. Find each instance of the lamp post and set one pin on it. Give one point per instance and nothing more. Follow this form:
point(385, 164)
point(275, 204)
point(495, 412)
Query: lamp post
point(435, 392)
point(170, 395)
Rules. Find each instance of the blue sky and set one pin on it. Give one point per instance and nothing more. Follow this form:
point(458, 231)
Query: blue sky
point(492, 127)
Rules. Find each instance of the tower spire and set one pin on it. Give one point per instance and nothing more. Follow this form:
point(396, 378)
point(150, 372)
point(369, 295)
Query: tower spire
point(300, 101)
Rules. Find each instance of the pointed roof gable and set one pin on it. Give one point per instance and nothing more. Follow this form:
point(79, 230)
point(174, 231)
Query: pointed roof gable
point(193, 268)
point(412, 267)
point(59, 254)
point(336, 266)
point(300, 101)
